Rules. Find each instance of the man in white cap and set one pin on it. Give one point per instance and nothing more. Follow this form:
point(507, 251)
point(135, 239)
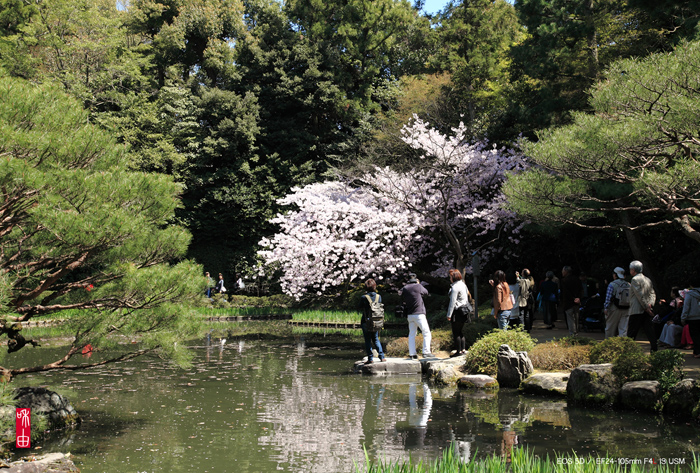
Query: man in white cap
point(617, 304)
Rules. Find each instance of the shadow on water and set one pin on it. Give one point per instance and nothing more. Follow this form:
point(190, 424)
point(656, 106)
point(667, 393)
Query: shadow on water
point(292, 406)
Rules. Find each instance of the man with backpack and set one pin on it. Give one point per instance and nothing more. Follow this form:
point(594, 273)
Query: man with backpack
point(372, 320)
point(617, 304)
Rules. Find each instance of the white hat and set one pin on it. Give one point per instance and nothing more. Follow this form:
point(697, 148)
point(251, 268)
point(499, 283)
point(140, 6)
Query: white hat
point(620, 272)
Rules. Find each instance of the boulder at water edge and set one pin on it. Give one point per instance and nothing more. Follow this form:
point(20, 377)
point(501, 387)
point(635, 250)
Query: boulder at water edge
point(444, 371)
point(55, 407)
point(547, 384)
point(640, 395)
point(513, 367)
point(477, 381)
point(593, 385)
point(49, 463)
point(682, 398)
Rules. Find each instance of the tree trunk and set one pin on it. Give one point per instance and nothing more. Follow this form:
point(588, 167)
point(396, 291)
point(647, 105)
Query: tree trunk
point(639, 252)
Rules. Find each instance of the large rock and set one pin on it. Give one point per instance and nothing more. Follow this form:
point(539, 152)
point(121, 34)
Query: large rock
point(444, 372)
point(682, 398)
point(392, 366)
point(593, 385)
point(55, 407)
point(640, 395)
point(513, 367)
point(49, 463)
point(477, 381)
point(547, 384)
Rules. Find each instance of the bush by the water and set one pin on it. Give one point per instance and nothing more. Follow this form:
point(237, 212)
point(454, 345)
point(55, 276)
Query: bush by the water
point(483, 355)
point(558, 355)
point(610, 349)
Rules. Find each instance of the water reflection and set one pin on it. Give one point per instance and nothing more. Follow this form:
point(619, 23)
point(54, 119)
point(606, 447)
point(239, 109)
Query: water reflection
point(253, 406)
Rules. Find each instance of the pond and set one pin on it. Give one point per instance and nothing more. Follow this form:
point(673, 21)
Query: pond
point(264, 406)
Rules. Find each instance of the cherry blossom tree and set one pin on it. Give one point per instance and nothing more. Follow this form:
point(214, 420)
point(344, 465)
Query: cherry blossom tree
point(444, 205)
point(336, 234)
point(453, 190)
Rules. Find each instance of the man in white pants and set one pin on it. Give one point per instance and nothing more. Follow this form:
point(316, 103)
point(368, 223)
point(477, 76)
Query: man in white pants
point(412, 297)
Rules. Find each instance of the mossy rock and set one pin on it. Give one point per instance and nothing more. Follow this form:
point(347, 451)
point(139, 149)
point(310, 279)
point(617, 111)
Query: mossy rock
point(593, 385)
point(478, 382)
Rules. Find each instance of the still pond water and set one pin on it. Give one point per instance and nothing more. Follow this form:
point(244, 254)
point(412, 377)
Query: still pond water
point(267, 406)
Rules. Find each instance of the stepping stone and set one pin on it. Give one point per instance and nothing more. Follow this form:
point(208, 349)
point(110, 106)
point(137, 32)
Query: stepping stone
point(392, 366)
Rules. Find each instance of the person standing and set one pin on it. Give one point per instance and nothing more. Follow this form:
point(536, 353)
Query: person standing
point(210, 284)
point(525, 299)
point(220, 288)
point(371, 336)
point(570, 299)
point(502, 303)
point(616, 311)
point(412, 295)
point(691, 314)
point(642, 298)
point(457, 310)
point(549, 294)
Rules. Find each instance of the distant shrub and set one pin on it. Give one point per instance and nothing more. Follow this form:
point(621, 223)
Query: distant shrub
point(610, 349)
point(441, 341)
point(559, 356)
point(570, 341)
point(483, 355)
point(474, 331)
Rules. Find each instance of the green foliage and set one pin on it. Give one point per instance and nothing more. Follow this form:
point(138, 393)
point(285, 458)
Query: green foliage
point(519, 460)
point(631, 366)
point(610, 349)
point(666, 367)
point(482, 357)
point(81, 232)
point(476, 330)
point(624, 161)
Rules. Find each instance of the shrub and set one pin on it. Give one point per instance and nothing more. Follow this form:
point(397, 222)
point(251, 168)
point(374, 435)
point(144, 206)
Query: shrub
point(474, 331)
point(667, 368)
point(570, 341)
point(557, 355)
point(483, 355)
point(610, 349)
point(632, 366)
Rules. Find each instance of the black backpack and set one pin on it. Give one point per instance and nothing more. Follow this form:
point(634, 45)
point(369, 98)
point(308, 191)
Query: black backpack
point(375, 322)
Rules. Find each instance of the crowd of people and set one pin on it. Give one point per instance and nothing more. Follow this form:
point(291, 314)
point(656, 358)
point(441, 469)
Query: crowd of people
point(622, 307)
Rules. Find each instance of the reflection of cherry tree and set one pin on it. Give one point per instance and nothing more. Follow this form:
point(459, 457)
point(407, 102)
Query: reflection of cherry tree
point(454, 192)
point(446, 205)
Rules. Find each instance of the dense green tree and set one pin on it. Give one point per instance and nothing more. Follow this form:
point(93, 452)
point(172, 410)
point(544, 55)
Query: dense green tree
point(476, 37)
point(633, 164)
point(569, 44)
point(80, 232)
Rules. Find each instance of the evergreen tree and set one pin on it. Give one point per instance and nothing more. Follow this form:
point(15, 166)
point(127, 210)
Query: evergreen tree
point(80, 232)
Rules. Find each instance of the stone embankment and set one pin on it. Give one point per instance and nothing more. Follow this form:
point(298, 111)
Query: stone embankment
point(588, 385)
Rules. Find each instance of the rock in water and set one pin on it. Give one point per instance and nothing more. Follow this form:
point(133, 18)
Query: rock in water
point(513, 367)
point(56, 407)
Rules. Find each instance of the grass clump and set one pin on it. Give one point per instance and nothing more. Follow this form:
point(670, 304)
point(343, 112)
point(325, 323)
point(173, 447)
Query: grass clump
point(441, 341)
point(558, 355)
point(520, 460)
point(483, 355)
